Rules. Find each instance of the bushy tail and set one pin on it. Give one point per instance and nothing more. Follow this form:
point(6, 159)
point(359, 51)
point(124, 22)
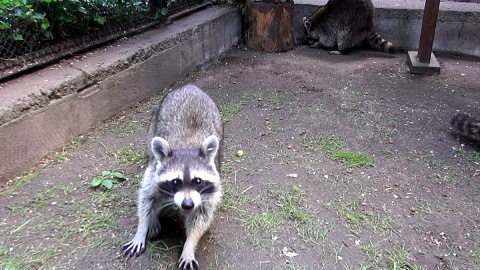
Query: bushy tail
point(465, 124)
point(377, 42)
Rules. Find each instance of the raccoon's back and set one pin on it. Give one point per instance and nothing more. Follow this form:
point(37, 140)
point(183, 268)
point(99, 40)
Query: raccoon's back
point(186, 117)
point(466, 124)
point(339, 14)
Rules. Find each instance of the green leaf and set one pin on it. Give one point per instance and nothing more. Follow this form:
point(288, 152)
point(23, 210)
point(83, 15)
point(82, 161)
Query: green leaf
point(96, 181)
point(39, 16)
point(45, 25)
point(164, 11)
point(118, 175)
point(100, 20)
point(108, 184)
point(4, 26)
point(18, 37)
point(105, 173)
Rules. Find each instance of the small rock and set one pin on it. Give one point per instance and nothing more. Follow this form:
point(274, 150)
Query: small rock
point(413, 209)
point(289, 146)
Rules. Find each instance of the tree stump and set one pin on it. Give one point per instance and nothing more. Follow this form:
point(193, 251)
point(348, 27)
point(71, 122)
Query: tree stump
point(269, 26)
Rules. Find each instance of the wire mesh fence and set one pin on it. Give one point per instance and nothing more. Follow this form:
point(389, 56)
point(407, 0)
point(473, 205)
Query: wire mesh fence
point(35, 32)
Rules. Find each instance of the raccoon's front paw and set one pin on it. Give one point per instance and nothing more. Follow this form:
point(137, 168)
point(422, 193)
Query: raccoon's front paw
point(134, 247)
point(187, 263)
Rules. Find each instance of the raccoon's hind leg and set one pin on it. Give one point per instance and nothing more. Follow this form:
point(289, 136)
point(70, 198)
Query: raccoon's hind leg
point(347, 41)
point(196, 226)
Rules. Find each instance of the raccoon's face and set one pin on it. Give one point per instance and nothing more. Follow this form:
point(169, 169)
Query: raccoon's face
point(187, 176)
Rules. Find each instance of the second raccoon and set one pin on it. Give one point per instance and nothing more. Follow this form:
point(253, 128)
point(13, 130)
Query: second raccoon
point(345, 24)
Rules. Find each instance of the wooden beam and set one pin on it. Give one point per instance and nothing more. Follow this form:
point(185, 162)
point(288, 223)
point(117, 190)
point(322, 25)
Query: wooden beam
point(429, 23)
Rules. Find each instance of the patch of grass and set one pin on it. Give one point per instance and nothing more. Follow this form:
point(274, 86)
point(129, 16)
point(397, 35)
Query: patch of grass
point(358, 115)
point(127, 155)
point(332, 146)
point(353, 159)
point(26, 179)
point(388, 153)
point(29, 259)
point(164, 254)
point(470, 156)
point(291, 204)
point(233, 197)
point(41, 199)
point(395, 258)
point(373, 252)
point(443, 178)
point(276, 100)
point(227, 167)
point(314, 232)
point(398, 259)
point(228, 111)
point(359, 218)
point(270, 221)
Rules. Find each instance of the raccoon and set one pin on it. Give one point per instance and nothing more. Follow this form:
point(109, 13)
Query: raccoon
point(345, 24)
point(181, 178)
point(466, 125)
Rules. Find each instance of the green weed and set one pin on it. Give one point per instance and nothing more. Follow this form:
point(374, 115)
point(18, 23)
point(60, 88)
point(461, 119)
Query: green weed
point(332, 146)
point(276, 100)
point(107, 179)
point(228, 111)
point(470, 156)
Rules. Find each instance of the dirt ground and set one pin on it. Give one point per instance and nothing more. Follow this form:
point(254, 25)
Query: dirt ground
point(348, 163)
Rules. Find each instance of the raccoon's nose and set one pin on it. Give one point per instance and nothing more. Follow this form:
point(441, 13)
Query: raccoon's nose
point(188, 204)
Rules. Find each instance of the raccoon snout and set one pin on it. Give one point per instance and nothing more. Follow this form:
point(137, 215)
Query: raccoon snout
point(187, 204)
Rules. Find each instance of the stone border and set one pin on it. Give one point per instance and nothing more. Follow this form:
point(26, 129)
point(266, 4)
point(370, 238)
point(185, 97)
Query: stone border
point(43, 110)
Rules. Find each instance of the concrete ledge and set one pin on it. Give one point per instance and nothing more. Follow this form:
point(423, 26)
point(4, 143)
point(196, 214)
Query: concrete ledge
point(41, 111)
point(400, 22)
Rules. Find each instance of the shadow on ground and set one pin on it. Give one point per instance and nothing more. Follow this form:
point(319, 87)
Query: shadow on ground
point(348, 164)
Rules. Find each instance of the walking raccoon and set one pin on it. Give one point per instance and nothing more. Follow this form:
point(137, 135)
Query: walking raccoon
point(181, 178)
point(466, 125)
point(345, 24)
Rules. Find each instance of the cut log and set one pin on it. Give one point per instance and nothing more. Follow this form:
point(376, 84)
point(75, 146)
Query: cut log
point(269, 26)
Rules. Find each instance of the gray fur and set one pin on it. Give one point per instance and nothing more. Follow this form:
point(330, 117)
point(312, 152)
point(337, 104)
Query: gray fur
point(466, 125)
point(345, 24)
point(184, 139)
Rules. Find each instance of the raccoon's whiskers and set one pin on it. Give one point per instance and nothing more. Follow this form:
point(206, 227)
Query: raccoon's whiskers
point(166, 192)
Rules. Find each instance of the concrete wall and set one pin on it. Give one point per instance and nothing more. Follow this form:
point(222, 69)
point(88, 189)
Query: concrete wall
point(41, 111)
point(400, 22)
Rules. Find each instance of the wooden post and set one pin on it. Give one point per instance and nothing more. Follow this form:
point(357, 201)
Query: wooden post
point(269, 26)
point(423, 61)
point(429, 23)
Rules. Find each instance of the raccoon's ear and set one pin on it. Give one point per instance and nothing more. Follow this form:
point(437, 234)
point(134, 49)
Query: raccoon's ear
point(307, 25)
point(160, 149)
point(210, 147)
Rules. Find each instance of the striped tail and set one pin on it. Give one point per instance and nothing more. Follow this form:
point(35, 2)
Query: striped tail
point(377, 42)
point(465, 124)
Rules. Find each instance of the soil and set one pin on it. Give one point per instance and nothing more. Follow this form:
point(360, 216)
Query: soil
point(290, 202)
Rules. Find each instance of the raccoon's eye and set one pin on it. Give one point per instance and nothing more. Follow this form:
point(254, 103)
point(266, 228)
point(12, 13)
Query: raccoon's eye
point(197, 180)
point(176, 182)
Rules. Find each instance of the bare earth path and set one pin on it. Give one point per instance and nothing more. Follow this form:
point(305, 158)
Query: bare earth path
point(348, 164)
